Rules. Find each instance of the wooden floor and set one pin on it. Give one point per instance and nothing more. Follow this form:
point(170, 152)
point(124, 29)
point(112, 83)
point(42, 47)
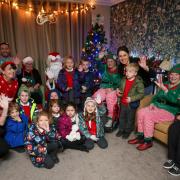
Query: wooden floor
point(120, 161)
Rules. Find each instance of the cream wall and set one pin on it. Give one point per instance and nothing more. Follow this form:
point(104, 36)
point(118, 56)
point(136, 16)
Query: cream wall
point(104, 11)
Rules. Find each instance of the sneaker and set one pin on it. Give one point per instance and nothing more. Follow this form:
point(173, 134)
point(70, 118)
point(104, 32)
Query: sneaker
point(144, 146)
point(119, 133)
point(175, 171)
point(168, 164)
point(109, 123)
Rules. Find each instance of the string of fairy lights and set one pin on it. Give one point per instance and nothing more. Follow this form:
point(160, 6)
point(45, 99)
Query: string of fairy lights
point(30, 8)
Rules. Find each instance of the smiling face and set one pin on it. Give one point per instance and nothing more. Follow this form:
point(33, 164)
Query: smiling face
point(90, 107)
point(174, 78)
point(14, 113)
point(54, 95)
point(28, 66)
point(69, 64)
point(24, 97)
point(70, 111)
point(9, 72)
point(123, 57)
point(111, 63)
point(5, 50)
point(55, 108)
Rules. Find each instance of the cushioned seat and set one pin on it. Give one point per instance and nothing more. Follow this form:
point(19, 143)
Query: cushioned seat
point(163, 127)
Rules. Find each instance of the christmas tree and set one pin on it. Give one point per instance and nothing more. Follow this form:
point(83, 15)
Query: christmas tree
point(95, 41)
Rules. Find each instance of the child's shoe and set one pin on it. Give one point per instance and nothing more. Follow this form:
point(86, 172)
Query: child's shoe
point(109, 123)
point(168, 164)
point(119, 133)
point(144, 146)
point(126, 135)
point(175, 171)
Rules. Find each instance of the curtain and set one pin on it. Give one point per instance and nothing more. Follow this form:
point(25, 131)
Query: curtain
point(27, 38)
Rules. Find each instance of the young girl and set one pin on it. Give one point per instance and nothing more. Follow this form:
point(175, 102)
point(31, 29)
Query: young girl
point(69, 130)
point(68, 82)
point(42, 142)
point(26, 104)
point(16, 128)
point(55, 111)
point(91, 125)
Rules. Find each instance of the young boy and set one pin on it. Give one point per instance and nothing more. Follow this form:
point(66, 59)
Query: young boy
point(86, 79)
point(131, 90)
point(26, 104)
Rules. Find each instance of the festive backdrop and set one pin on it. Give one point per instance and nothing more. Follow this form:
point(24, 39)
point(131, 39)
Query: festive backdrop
point(150, 27)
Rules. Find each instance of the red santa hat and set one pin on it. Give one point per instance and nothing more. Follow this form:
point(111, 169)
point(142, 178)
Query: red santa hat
point(53, 56)
point(7, 63)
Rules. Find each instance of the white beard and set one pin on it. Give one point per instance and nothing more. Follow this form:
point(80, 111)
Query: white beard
point(55, 67)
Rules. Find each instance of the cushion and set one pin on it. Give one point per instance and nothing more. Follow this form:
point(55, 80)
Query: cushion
point(163, 126)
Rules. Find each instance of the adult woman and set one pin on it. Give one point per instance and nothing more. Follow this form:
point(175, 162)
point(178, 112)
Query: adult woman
point(110, 82)
point(8, 83)
point(164, 106)
point(144, 71)
point(31, 78)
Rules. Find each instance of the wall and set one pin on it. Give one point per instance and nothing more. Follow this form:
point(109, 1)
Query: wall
point(148, 27)
point(104, 11)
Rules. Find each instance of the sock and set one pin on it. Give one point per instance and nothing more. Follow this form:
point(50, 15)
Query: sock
point(140, 135)
point(148, 140)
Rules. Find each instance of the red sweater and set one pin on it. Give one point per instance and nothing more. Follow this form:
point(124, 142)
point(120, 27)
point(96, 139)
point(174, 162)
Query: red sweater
point(91, 125)
point(8, 88)
point(127, 88)
point(69, 77)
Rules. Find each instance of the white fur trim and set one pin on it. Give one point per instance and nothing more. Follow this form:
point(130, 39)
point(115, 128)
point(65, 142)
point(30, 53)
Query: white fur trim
point(27, 60)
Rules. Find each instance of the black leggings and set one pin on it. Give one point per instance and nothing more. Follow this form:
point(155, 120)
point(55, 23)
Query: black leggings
point(3, 147)
point(78, 144)
point(52, 149)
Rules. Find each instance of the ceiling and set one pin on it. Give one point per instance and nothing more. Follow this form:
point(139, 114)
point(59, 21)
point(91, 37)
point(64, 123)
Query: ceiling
point(96, 2)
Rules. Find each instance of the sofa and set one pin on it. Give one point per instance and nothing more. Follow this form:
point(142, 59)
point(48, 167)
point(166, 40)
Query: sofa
point(160, 129)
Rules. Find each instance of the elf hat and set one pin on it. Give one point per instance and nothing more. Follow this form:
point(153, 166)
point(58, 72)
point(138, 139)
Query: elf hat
point(27, 60)
point(89, 99)
point(23, 88)
point(110, 55)
point(175, 69)
point(3, 65)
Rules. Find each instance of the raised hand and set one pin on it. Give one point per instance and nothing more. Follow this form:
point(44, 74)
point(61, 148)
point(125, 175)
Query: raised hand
point(160, 83)
point(142, 63)
point(49, 74)
point(4, 101)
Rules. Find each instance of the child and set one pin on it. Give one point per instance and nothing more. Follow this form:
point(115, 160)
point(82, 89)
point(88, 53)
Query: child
point(16, 128)
point(69, 130)
point(86, 79)
point(91, 126)
point(26, 104)
point(55, 111)
point(53, 94)
point(68, 82)
point(131, 91)
point(164, 105)
point(173, 162)
point(109, 83)
point(42, 142)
